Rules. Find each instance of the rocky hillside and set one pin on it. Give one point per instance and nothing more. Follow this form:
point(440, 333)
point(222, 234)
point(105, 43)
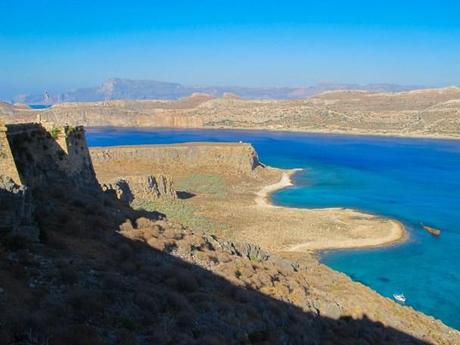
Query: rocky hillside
point(431, 112)
point(105, 274)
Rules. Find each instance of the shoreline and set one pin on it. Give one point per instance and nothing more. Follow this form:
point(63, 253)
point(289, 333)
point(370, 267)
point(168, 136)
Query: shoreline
point(297, 131)
point(397, 234)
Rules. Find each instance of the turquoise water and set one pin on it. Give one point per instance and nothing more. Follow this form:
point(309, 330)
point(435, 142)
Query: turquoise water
point(413, 180)
point(39, 106)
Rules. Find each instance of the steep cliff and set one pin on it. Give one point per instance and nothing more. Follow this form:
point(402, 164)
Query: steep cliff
point(225, 158)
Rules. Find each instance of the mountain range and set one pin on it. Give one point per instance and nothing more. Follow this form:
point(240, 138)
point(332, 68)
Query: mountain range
point(127, 89)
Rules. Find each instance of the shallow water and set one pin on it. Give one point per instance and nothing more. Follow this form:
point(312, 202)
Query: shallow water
point(413, 180)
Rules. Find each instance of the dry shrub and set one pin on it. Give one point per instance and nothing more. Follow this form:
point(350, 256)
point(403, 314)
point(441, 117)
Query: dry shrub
point(186, 281)
point(156, 243)
point(79, 334)
point(211, 339)
point(124, 252)
point(170, 246)
point(86, 303)
point(128, 268)
point(177, 302)
point(147, 234)
point(127, 225)
point(69, 275)
point(18, 271)
point(142, 223)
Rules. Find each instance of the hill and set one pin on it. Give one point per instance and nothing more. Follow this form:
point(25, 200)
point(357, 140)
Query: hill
point(423, 113)
point(126, 89)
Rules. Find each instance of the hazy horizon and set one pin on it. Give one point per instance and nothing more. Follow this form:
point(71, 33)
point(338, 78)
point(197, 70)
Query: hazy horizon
point(54, 46)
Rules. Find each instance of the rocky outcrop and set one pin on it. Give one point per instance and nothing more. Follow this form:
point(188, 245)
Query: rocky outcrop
point(226, 158)
point(129, 188)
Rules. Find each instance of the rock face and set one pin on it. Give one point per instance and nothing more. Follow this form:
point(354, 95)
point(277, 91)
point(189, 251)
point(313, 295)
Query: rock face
point(129, 188)
point(227, 158)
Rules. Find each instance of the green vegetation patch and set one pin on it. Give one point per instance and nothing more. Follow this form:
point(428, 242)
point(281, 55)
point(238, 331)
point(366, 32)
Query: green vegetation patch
point(54, 132)
point(203, 184)
point(183, 213)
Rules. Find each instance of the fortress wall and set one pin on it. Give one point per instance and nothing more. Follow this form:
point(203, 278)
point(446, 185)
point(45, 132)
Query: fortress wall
point(36, 155)
point(7, 164)
point(43, 152)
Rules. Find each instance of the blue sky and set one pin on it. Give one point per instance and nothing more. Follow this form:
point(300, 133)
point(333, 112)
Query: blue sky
point(55, 45)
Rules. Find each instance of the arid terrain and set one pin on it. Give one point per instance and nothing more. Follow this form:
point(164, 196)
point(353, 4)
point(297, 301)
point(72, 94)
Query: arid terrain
point(425, 113)
point(177, 244)
point(228, 199)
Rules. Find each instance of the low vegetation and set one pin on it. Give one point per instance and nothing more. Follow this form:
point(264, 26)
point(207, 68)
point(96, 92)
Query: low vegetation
point(55, 132)
point(203, 184)
point(182, 212)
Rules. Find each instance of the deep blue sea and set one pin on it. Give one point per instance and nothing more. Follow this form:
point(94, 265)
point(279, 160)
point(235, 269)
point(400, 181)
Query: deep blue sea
point(413, 180)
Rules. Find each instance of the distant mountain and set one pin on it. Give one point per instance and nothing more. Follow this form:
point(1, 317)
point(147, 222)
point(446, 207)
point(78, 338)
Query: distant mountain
point(116, 89)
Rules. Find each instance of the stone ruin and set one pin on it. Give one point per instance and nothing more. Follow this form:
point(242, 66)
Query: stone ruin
point(34, 155)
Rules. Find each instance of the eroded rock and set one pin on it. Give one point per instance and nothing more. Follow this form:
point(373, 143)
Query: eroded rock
point(149, 187)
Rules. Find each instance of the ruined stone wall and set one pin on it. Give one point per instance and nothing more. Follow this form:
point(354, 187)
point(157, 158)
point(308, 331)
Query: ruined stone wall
point(16, 209)
point(7, 164)
point(36, 156)
point(44, 153)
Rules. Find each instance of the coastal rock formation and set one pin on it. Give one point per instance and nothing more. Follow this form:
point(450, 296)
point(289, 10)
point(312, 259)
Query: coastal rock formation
point(129, 188)
point(229, 158)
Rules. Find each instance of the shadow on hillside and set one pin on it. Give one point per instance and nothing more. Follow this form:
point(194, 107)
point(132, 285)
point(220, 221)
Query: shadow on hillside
point(183, 195)
point(91, 285)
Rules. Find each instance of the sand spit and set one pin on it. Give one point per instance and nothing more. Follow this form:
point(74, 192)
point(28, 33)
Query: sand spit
point(388, 231)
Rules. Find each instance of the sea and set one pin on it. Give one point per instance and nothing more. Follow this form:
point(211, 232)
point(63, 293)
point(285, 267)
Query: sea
point(416, 181)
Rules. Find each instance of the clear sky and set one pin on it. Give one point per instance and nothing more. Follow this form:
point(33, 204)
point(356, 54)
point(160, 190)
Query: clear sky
point(48, 44)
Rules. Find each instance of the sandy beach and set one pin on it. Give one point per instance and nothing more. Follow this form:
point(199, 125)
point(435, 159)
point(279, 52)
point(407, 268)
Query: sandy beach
point(392, 232)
